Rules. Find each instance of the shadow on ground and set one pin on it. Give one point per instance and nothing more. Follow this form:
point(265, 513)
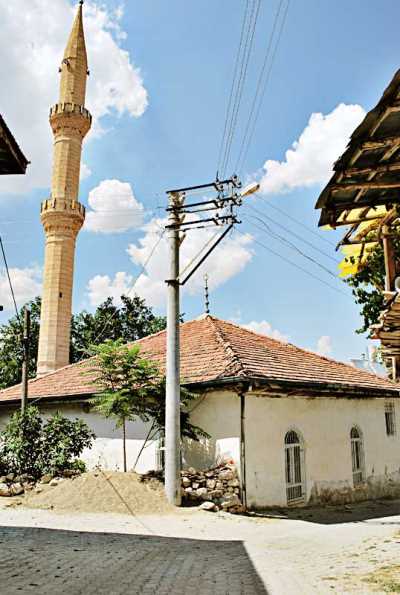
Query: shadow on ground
point(44, 561)
point(372, 511)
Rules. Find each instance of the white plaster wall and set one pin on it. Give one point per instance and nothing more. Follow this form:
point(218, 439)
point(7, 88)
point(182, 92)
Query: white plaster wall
point(325, 425)
point(107, 448)
point(218, 413)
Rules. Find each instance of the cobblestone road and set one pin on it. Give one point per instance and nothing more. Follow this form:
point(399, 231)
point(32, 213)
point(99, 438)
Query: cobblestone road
point(48, 561)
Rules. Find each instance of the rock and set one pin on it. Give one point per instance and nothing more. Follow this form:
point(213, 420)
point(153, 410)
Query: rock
point(209, 506)
point(4, 490)
point(46, 478)
point(3, 479)
point(230, 501)
point(234, 483)
point(16, 489)
point(196, 485)
point(10, 477)
point(38, 490)
point(55, 481)
point(191, 471)
point(189, 490)
point(211, 483)
point(215, 494)
point(70, 472)
point(219, 485)
point(186, 482)
point(226, 475)
point(202, 492)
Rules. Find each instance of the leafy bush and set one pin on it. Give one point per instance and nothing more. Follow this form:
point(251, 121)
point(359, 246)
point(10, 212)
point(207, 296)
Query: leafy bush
point(29, 445)
point(63, 441)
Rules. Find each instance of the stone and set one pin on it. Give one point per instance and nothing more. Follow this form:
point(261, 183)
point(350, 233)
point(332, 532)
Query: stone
point(226, 475)
point(38, 490)
point(196, 485)
point(186, 482)
point(191, 471)
point(189, 490)
point(201, 492)
point(46, 478)
point(215, 494)
point(3, 479)
point(234, 483)
point(10, 477)
point(16, 489)
point(211, 483)
point(219, 485)
point(55, 481)
point(230, 501)
point(4, 490)
point(209, 506)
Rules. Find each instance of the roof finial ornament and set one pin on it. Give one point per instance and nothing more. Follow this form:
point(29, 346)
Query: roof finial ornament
point(207, 301)
point(81, 2)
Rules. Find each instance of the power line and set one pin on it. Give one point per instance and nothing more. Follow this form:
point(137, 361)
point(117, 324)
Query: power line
point(235, 71)
point(313, 246)
point(282, 212)
point(9, 281)
point(260, 81)
point(297, 266)
point(260, 89)
point(248, 46)
point(293, 247)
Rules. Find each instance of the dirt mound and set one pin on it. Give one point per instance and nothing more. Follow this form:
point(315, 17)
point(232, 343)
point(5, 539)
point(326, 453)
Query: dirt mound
point(102, 491)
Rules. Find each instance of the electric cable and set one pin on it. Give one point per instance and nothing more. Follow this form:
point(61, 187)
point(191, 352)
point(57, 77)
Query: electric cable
point(9, 282)
point(258, 96)
point(297, 266)
point(282, 212)
point(294, 247)
point(241, 82)
point(313, 246)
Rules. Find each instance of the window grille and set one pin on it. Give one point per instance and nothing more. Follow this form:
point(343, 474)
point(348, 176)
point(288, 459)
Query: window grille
point(390, 418)
point(293, 468)
point(357, 456)
point(161, 454)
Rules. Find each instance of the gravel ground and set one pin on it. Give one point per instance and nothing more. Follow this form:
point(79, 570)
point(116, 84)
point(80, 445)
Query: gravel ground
point(195, 552)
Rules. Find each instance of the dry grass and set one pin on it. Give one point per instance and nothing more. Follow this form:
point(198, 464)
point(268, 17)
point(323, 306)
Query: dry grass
point(385, 580)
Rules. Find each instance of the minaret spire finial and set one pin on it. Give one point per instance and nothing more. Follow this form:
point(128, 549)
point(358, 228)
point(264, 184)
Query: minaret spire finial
point(206, 296)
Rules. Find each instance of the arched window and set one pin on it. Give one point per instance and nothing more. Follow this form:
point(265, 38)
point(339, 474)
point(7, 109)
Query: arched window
point(357, 456)
point(294, 468)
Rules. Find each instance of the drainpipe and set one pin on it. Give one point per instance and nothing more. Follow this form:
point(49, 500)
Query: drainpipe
point(242, 395)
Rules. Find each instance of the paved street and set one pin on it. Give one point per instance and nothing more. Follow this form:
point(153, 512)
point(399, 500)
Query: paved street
point(194, 552)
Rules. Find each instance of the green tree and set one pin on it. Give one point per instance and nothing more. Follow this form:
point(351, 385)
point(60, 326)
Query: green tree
point(132, 321)
point(368, 285)
point(126, 383)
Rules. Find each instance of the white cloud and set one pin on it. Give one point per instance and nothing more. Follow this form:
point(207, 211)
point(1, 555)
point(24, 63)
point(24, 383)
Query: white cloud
point(27, 284)
point(264, 328)
point(311, 158)
point(324, 345)
point(32, 41)
point(228, 260)
point(114, 208)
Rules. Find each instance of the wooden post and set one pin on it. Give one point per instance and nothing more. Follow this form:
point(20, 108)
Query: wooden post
point(390, 261)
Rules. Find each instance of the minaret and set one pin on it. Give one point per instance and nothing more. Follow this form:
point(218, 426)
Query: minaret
point(62, 215)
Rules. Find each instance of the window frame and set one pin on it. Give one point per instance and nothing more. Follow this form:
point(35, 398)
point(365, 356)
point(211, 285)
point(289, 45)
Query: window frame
point(390, 418)
point(357, 456)
point(295, 476)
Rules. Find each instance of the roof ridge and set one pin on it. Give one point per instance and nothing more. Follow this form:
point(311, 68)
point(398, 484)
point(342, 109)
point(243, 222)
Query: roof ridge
point(235, 366)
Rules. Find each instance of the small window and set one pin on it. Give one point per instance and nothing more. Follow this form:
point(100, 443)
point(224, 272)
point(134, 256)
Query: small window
point(357, 456)
point(294, 468)
point(390, 418)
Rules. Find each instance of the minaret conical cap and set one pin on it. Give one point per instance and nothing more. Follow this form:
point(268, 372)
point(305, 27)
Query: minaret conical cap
point(74, 68)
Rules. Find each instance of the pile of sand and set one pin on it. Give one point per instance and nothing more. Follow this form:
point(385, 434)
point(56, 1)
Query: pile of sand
point(102, 491)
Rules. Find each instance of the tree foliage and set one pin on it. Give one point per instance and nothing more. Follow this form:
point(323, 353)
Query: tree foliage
point(132, 321)
point(369, 283)
point(125, 383)
point(29, 445)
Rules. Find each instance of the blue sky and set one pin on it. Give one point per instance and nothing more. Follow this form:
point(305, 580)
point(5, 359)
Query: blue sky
point(182, 55)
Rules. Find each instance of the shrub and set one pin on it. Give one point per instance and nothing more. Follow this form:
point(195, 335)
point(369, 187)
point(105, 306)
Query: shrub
point(29, 445)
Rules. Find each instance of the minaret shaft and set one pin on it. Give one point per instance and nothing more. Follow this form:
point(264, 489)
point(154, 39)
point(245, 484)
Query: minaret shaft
point(62, 215)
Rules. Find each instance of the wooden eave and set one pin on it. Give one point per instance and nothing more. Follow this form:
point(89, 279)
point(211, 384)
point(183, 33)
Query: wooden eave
point(367, 175)
point(12, 159)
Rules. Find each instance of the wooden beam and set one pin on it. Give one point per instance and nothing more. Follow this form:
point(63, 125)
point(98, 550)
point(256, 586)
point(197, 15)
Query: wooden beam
point(390, 260)
point(361, 171)
point(365, 186)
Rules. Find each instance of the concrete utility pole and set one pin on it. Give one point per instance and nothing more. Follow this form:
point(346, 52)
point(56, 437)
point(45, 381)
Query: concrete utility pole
point(222, 214)
point(25, 361)
point(173, 397)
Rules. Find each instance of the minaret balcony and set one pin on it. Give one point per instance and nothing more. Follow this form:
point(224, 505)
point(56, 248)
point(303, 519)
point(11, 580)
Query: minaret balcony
point(70, 115)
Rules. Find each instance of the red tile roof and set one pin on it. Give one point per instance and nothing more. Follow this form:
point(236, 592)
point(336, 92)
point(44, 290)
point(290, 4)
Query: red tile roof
point(214, 350)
